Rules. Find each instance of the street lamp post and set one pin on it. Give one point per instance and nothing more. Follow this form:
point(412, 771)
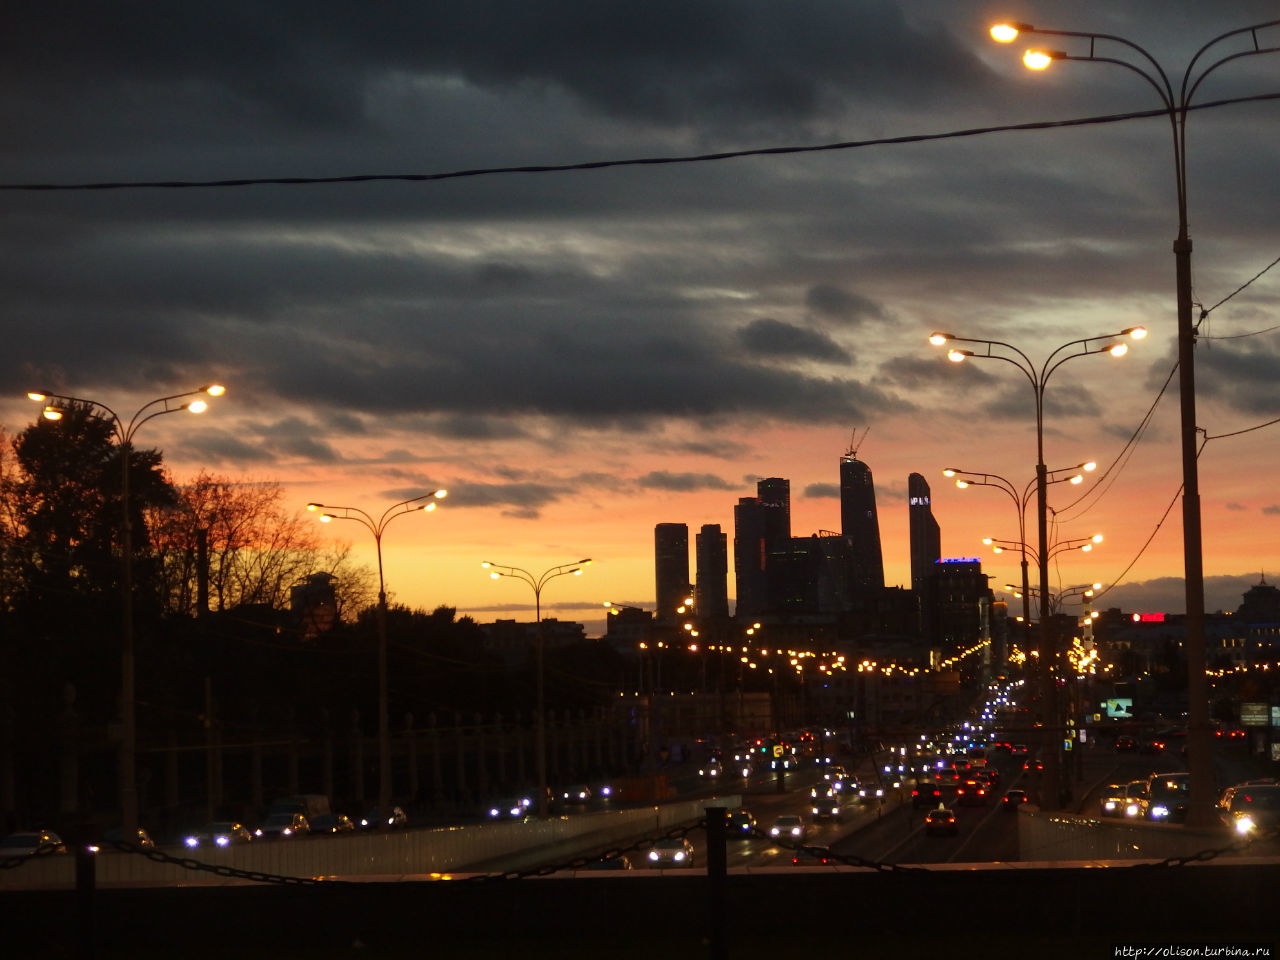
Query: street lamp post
point(377, 527)
point(1038, 377)
point(125, 432)
point(540, 720)
point(1199, 759)
point(973, 478)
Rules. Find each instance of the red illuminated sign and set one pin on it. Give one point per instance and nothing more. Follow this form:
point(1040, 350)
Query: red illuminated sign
point(1148, 618)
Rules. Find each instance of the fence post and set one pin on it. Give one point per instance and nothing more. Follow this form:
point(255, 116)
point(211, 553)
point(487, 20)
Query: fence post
point(717, 879)
point(86, 867)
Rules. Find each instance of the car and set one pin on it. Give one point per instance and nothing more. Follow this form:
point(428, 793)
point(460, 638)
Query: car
point(926, 793)
point(671, 851)
point(1033, 765)
point(28, 843)
point(1112, 800)
point(712, 771)
point(1135, 800)
point(1167, 796)
point(811, 855)
point(940, 821)
point(576, 794)
point(332, 823)
point(972, 791)
point(1251, 809)
point(1013, 799)
point(1019, 750)
point(221, 833)
point(740, 823)
point(1126, 744)
point(283, 826)
point(828, 805)
point(374, 819)
point(509, 808)
point(788, 827)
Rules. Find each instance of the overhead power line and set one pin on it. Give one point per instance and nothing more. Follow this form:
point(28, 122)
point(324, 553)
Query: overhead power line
point(605, 164)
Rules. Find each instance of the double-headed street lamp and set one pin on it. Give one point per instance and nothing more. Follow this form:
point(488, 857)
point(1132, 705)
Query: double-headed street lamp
point(427, 502)
point(1113, 344)
point(192, 401)
point(540, 721)
point(1176, 106)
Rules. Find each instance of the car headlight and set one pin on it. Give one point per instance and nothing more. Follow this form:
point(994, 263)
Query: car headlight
point(1245, 824)
point(1131, 810)
point(222, 841)
point(1109, 806)
point(493, 812)
point(654, 855)
point(1159, 812)
point(286, 832)
point(795, 831)
point(191, 842)
point(679, 856)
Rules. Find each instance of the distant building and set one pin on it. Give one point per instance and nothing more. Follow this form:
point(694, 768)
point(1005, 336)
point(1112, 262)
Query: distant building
point(711, 587)
point(516, 642)
point(860, 523)
point(963, 602)
point(671, 568)
point(926, 550)
point(761, 525)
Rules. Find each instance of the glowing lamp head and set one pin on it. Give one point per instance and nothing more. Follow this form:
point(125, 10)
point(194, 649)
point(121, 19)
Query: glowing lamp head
point(958, 356)
point(37, 397)
point(1137, 333)
point(950, 472)
point(1037, 59)
point(52, 413)
point(1118, 349)
point(1008, 32)
point(197, 406)
point(215, 390)
point(938, 339)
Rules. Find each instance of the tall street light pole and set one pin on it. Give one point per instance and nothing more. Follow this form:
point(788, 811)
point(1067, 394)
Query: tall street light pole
point(1038, 377)
point(426, 502)
point(193, 402)
point(1199, 744)
point(1021, 499)
point(497, 571)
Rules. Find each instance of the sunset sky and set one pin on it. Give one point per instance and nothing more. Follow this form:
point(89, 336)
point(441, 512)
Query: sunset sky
point(580, 354)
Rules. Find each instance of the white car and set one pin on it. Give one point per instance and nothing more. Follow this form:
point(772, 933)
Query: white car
point(788, 827)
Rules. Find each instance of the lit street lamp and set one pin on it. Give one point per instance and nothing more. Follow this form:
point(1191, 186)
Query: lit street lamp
point(53, 410)
point(1199, 759)
point(972, 478)
point(1038, 377)
point(540, 721)
point(377, 527)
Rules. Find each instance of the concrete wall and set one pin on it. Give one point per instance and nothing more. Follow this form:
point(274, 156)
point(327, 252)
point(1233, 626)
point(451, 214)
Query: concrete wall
point(515, 844)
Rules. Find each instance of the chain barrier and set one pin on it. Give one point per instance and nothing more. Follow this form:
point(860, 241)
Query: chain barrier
point(221, 870)
point(22, 859)
point(582, 862)
point(612, 853)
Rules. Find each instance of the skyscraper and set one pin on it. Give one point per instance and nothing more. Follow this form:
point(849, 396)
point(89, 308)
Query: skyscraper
point(671, 567)
point(859, 522)
point(926, 549)
point(711, 590)
point(761, 524)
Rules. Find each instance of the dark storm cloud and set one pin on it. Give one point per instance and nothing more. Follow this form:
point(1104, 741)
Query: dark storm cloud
point(1241, 373)
point(523, 500)
point(776, 339)
point(831, 302)
point(307, 65)
point(684, 482)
